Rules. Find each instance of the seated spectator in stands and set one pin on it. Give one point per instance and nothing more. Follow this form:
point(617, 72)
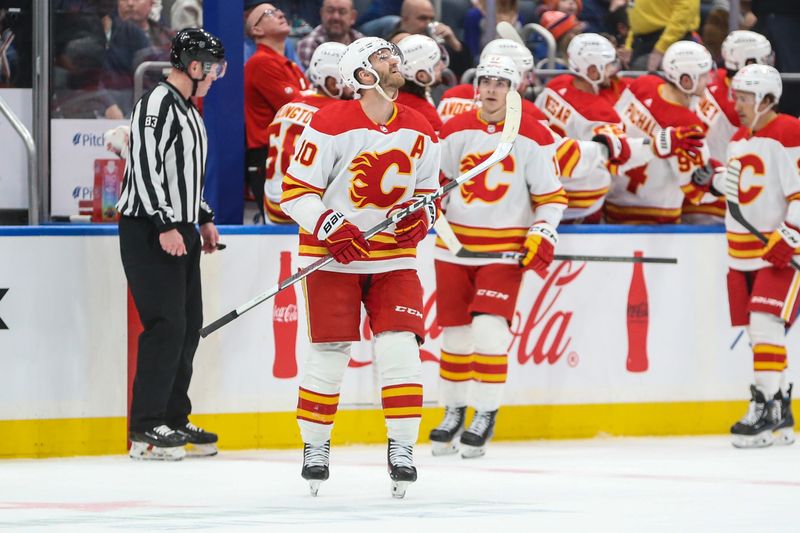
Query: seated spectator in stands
point(655, 26)
point(380, 19)
point(77, 89)
point(270, 81)
point(563, 27)
point(570, 7)
point(138, 12)
point(289, 48)
point(186, 14)
point(418, 17)
point(475, 23)
point(338, 17)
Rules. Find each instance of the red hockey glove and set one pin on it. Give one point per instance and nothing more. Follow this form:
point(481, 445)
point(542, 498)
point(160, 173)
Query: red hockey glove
point(413, 228)
point(342, 239)
point(619, 151)
point(683, 140)
point(539, 247)
point(782, 244)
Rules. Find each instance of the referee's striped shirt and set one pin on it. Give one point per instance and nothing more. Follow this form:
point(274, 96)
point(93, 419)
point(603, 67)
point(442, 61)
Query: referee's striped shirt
point(165, 173)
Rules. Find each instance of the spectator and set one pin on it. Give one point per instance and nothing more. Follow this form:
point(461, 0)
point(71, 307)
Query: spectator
point(563, 27)
point(186, 14)
point(779, 21)
point(338, 17)
point(570, 7)
point(418, 17)
point(138, 13)
point(475, 23)
point(616, 22)
point(655, 25)
point(270, 81)
point(380, 18)
point(289, 49)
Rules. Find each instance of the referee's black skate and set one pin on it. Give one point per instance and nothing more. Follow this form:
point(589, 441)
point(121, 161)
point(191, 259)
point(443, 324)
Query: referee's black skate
point(445, 436)
point(474, 439)
point(316, 460)
point(784, 431)
point(199, 442)
point(762, 418)
point(158, 444)
point(401, 467)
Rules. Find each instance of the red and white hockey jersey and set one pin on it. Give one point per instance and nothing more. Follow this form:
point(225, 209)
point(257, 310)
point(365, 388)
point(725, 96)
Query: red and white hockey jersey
point(286, 127)
point(579, 116)
point(769, 187)
point(461, 98)
point(494, 210)
point(615, 88)
point(347, 163)
point(422, 105)
point(653, 192)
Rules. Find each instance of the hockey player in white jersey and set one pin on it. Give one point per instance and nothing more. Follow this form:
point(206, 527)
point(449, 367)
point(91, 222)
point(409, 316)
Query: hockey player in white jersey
point(423, 63)
point(356, 162)
point(514, 205)
point(717, 111)
point(764, 176)
point(660, 110)
point(576, 110)
point(292, 118)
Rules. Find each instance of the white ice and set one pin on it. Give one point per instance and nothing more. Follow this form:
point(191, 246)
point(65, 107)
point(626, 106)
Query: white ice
point(683, 485)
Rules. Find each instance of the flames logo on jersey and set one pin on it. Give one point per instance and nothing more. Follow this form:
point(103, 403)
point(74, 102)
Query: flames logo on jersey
point(477, 189)
point(752, 161)
point(369, 170)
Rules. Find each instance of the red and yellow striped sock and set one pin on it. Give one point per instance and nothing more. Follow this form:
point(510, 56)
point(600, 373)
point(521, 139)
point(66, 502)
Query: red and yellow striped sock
point(455, 367)
point(490, 368)
point(769, 358)
point(316, 407)
point(402, 401)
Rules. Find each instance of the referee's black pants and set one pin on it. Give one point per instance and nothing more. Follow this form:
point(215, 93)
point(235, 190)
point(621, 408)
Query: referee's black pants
point(168, 296)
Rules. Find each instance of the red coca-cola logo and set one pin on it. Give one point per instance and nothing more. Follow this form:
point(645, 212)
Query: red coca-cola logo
point(287, 313)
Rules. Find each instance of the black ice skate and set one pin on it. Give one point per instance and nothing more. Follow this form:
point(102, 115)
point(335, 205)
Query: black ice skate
point(755, 429)
point(474, 439)
point(401, 467)
point(160, 444)
point(315, 465)
point(784, 431)
point(445, 436)
point(199, 442)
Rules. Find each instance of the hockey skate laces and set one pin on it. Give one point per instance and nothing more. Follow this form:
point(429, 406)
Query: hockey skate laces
point(163, 430)
point(401, 454)
point(316, 455)
point(753, 413)
point(452, 419)
point(480, 423)
point(192, 427)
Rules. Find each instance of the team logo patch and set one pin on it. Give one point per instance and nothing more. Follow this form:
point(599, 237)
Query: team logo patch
point(150, 121)
point(369, 170)
point(478, 188)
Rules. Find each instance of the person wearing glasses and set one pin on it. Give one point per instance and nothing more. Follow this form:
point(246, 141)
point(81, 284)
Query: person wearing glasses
point(161, 203)
point(338, 17)
point(270, 81)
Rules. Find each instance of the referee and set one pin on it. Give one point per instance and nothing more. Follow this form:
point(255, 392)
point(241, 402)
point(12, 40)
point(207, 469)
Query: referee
point(161, 202)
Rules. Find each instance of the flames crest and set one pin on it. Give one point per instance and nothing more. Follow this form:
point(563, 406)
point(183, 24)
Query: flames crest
point(477, 189)
point(368, 171)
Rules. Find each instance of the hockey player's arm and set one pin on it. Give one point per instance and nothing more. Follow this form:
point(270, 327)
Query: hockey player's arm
point(306, 179)
point(784, 242)
point(149, 134)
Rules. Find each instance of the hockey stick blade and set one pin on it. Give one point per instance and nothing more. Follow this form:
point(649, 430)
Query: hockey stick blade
point(507, 138)
point(732, 198)
point(450, 240)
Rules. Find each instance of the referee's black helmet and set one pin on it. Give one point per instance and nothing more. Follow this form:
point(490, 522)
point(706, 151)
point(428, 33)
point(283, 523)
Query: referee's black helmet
point(195, 44)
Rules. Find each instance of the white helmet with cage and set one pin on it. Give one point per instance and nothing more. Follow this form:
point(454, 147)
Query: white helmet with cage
point(324, 64)
point(588, 50)
point(356, 57)
point(523, 59)
point(498, 66)
point(420, 53)
point(686, 58)
point(742, 46)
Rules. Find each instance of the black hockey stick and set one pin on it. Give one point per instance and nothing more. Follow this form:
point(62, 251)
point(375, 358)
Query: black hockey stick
point(450, 239)
point(507, 138)
point(732, 198)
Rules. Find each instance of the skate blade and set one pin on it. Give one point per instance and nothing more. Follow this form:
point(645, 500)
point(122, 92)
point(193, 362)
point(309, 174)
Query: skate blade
point(784, 437)
point(399, 489)
point(762, 440)
point(313, 486)
point(472, 452)
point(201, 450)
point(142, 451)
point(444, 448)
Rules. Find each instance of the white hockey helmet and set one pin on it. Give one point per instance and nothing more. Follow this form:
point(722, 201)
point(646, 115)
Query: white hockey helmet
point(760, 80)
point(324, 64)
point(356, 57)
point(523, 59)
point(686, 58)
point(497, 66)
point(420, 53)
point(591, 49)
point(742, 46)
